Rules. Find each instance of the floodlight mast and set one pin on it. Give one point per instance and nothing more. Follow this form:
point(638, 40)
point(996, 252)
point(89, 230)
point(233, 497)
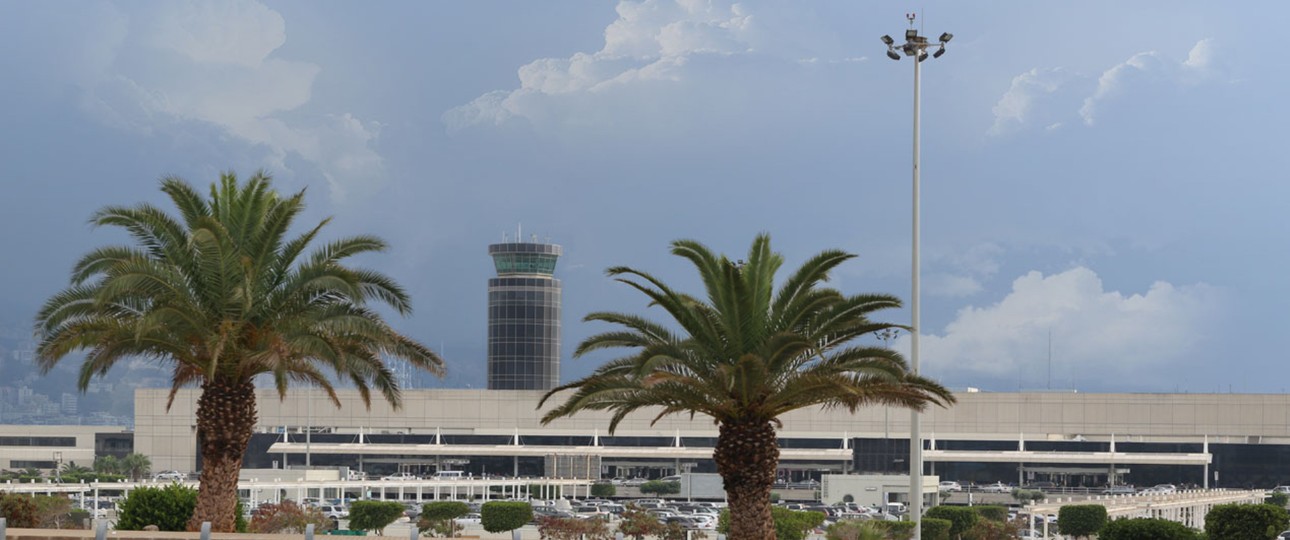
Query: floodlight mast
point(915, 46)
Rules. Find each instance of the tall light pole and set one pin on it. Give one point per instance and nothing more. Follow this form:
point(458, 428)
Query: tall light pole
point(915, 46)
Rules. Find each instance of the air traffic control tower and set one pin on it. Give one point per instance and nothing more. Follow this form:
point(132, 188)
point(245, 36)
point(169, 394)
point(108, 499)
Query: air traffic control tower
point(524, 317)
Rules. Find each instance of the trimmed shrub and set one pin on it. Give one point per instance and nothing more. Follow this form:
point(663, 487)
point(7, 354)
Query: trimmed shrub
point(20, 511)
point(554, 528)
point(1279, 499)
point(1027, 495)
point(933, 529)
point(855, 530)
point(436, 517)
point(502, 516)
point(373, 516)
point(603, 490)
point(1146, 529)
point(166, 507)
point(988, 529)
point(992, 512)
point(937, 529)
point(898, 530)
point(1245, 521)
point(789, 524)
point(287, 517)
point(794, 524)
point(638, 524)
point(1082, 519)
point(655, 487)
point(240, 524)
point(961, 518)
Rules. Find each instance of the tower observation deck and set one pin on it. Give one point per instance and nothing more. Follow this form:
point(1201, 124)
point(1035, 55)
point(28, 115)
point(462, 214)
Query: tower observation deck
point(524, 317)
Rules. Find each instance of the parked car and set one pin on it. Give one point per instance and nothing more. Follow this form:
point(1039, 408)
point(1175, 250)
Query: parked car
point(1281, 489)
point(468, 519)
point(997, 487)
point(334, 511)
point(412, 510)
point(170, 476)
point(400, 476)
point(950, 485)
point(1119, 490)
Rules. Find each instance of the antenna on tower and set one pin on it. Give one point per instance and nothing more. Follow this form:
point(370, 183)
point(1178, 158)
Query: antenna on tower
point(519, 232)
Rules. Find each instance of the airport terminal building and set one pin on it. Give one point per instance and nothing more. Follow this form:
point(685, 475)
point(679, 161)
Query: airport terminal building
point(1072, 439)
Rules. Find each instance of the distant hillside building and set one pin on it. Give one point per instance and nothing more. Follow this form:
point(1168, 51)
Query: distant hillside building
point(524, 317)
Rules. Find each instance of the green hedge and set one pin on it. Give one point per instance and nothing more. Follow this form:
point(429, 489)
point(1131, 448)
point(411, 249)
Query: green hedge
point(939, 529)
point(169, 508)
point(961, 518)
point(789, 524)
point(992, 512)
point(1245, 522)
point(1279, 499)
point(502, 516)
point(373, 515)
point(436, 518)
point(794, 524)
point(441, 510)
point(1081, 519)
point(656, 487)
point(898, 530)
point(603, 490)
point(1146, 529)
point(21, 511)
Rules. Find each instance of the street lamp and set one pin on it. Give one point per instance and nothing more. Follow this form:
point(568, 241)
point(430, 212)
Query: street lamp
point(915, 46)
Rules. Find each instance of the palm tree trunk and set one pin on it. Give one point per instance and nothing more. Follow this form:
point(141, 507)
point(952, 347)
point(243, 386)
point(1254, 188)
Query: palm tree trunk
point(225, 418)
point(747, 455)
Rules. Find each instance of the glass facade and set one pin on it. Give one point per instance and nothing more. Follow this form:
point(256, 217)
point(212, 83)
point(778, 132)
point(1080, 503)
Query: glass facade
point(524, 317)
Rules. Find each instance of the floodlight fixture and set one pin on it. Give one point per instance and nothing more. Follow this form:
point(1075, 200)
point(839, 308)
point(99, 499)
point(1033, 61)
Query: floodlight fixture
point(938, 52)
point(888, 40)
point(892, 54)
point(946, 37)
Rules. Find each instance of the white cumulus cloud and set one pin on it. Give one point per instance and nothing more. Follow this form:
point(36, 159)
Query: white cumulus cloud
point(1103, 332)
point(1147, 72)
point(1049, 98)
point(658, 60)
point(1030, 100)
point(215, 63)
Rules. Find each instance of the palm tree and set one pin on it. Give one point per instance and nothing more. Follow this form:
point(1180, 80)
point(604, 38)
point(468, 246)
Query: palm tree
point(220, 296)
point(135, 465)
point(745, 356)
point(107, 464)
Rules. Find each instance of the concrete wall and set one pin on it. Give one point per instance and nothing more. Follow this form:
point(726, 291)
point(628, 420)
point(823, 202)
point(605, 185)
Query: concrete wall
point(82, 453)
point(169, 438)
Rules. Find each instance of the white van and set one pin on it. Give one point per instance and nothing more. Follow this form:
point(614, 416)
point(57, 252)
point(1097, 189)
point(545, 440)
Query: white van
point(449, 475)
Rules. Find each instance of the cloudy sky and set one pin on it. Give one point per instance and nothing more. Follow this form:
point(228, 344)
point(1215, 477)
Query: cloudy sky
point(1104, 183)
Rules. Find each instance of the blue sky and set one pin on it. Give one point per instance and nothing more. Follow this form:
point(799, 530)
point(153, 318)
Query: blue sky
point(1107, 178)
